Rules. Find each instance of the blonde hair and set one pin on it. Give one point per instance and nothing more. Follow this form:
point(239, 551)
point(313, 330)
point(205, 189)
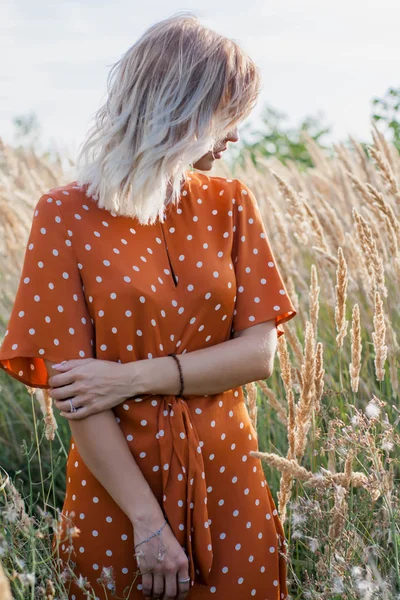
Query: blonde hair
point(177, 91)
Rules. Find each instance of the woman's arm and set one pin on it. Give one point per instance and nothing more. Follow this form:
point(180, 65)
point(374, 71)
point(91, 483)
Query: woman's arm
point(247, 357)
point(104, 450)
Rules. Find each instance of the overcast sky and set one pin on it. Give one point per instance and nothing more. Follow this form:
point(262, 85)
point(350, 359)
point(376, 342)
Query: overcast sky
point(316, 57)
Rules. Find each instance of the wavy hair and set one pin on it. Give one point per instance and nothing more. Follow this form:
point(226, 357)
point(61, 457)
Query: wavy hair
point(171, 97)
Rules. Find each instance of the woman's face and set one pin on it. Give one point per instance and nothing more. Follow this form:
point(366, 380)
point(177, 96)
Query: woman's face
point(206, 162)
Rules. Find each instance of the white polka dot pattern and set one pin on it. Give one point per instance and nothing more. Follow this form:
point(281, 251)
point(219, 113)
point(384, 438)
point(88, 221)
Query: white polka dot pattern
point(146, 292)
point(50, 318)
point(261, 293)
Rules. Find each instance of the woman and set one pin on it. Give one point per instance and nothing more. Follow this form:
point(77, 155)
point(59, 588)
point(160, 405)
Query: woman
point(135, 262)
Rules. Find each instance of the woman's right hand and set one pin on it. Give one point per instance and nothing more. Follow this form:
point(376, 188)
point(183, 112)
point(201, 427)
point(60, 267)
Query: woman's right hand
point(160, 577)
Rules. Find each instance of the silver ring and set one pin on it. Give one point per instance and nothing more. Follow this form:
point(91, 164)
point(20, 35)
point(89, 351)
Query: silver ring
point(184, 580)
point(73, 409)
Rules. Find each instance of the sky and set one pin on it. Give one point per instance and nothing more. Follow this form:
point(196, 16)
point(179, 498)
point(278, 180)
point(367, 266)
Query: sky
point(317, 58)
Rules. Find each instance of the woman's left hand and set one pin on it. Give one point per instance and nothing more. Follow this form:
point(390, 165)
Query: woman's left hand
point(93, 385)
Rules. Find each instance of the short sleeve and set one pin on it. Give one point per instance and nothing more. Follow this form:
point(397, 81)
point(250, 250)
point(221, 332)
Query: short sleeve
point(49, 318)
point(261, 294)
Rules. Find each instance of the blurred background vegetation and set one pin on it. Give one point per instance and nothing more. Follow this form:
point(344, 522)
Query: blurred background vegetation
point(37, 465)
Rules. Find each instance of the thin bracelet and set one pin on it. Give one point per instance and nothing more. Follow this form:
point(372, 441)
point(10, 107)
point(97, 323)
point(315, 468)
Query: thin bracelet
point(153, 535)
point(180, 395)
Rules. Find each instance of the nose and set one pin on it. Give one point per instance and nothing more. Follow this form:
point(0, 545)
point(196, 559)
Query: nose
point(232, 136)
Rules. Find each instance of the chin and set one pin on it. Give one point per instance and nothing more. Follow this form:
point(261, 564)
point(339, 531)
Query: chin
point(204, 164)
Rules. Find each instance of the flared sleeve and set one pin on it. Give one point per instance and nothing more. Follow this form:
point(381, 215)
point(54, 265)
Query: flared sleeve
point(261, 293)
point(49, 318)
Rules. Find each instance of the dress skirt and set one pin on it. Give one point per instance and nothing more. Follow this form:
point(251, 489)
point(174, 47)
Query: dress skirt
point(215, 495)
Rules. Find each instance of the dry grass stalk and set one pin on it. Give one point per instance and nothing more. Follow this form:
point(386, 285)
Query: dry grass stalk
point(305, 403)
point(356, 348)
point(294, 342)
point(46, 405)
point(377, 199)
point(319, 376)
point(295, 208)
point(392, 239)
point(379, 270)
point(284, 494)
point(356, 261)
point(393, 350)
point(386, 172)
point(358, 185)
point(316, 226)
point(368, 170)
point(314, 300)
point(330, 221)
point(50, 590)
point(327, 479)
point(376, 224)
point(373, 260)
point(348, 469)
point(338, 514)
point(378, 337)
point(320, 160)
point(273, 401)
point(286, 247)
point(331, 447)
point(322, 254)
point(341, 295)
point(284, 361)
point(382, 145)
point(321, 480)
point(286, 374)
point(343, 156)
point(14, 511)
point(290, 466)
point(286, 481)
point(251, 389)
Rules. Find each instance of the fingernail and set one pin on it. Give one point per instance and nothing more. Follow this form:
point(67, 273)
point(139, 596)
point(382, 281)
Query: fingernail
point(59, 364)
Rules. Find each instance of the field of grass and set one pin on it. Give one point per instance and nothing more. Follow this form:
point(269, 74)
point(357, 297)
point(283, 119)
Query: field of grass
point(328, 417)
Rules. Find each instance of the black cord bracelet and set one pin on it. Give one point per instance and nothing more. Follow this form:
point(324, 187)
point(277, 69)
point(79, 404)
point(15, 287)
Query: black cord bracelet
point(180, 373)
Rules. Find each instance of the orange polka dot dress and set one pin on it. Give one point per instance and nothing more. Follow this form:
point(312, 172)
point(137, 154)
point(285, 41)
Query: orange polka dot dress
point(99, 285)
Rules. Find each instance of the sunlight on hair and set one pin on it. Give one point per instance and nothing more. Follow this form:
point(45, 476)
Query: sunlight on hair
point(171, 97)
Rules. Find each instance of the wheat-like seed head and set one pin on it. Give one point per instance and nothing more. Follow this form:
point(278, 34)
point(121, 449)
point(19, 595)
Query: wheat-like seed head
point(304, 406)
point(341, 295)
point(355, 335)
point(378, 337)
point(319, 376)
point(273, 401)
point(386, 172)
point(314, 299)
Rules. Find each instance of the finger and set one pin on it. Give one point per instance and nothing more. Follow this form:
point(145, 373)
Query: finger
point(65, 407)
point(61, 393)
point(57, 381)
point(183, 588)
point(170, 585)
point(147, 584)
point(158, 585)
point(81, 413)
point(70, 364)
point(62, 378)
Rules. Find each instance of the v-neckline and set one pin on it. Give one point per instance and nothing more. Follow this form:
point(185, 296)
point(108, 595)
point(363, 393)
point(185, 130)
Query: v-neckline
point(168, 212)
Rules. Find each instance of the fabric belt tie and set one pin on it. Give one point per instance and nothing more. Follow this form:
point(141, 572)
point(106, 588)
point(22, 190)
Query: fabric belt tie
point(184, 485)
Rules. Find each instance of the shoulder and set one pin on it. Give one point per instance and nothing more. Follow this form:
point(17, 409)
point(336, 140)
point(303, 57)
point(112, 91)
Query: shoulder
point(69, 194)
point(67, 200)
point(217, 188)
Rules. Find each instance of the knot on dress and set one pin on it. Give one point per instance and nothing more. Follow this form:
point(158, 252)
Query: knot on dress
point(184, 484)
